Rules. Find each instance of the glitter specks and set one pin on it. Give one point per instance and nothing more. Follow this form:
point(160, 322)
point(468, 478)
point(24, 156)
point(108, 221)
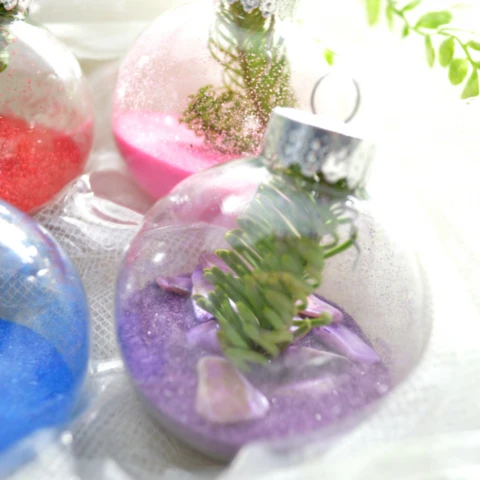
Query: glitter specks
point(37, 162)
point(37, 385)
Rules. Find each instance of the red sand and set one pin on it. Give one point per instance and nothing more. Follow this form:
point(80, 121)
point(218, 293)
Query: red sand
point(37, 162)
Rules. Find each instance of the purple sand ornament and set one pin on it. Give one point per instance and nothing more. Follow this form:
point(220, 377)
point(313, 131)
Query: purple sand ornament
point(290, 363)
point(189, 387)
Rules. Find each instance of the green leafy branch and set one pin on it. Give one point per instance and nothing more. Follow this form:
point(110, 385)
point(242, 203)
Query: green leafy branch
point(5, 40)
point(276, 259)
point(256, 78)
point(5, 37)
point(432, 26)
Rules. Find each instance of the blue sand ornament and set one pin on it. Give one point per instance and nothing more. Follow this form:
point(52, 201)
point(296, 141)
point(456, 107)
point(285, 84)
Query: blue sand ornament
point(44, 332)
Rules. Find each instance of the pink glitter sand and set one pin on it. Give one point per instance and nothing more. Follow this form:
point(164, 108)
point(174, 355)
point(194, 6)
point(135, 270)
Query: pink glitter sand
point(160, 151)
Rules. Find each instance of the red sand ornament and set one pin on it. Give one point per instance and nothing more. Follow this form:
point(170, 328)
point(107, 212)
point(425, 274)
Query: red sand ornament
point(46, 112)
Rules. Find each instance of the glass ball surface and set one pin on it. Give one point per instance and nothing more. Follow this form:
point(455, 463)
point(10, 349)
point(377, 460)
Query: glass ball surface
point(46, 115)
point(168, 346)
point(44, 332)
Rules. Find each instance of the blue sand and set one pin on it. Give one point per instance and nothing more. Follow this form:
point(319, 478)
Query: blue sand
point(44, 338)
point(37, 388)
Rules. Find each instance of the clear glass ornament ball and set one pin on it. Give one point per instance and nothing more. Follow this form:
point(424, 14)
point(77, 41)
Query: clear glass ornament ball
point(46, 115)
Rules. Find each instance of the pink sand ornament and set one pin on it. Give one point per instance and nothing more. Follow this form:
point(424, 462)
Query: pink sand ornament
point(198, 86)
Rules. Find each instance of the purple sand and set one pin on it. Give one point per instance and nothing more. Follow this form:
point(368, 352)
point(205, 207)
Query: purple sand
point(152, 331)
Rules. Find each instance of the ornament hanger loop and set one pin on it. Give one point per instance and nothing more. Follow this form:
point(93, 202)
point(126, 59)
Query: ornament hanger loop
point(357, 99)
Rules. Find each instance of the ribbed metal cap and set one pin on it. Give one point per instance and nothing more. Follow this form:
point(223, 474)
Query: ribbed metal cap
point(318, 146)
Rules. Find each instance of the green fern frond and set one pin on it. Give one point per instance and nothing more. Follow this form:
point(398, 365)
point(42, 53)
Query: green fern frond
point(256, 78)
point(276, 258)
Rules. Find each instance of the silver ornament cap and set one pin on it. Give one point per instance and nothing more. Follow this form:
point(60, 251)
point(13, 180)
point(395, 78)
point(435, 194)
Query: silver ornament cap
point(282, 8)
point(319, 146)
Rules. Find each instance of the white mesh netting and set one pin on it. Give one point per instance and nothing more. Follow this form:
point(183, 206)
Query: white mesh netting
point(95, 231)
point(94, 238)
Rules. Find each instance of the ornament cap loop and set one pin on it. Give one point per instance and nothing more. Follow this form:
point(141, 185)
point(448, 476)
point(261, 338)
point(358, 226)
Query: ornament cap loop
point(358, 97)
point(319, 146)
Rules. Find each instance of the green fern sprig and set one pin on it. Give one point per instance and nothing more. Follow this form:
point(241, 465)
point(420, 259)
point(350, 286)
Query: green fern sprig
point(276, 259)
point(256, 78)
point(5, 39)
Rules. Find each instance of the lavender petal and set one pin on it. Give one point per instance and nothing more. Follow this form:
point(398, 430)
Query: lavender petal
point(316, 306)
point(298, 363)
point(315, 387)
point(200, 285)
point(299, 358)
point(181, 284)
point(343, 341)
point(225, 396)
point(205, 336)
point(209, 260)
point(201, 315)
